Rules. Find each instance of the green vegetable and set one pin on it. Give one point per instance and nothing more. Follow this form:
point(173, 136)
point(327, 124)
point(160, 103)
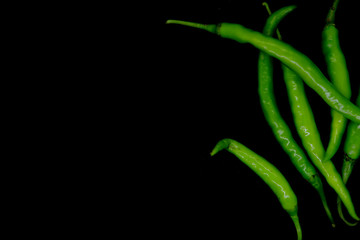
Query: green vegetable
point(338, 73)
point(351, 156)
point(352, 141)
point(310, 137)
point(268, 173)
point(292, 58)
point(272, 114)
point(312, 75)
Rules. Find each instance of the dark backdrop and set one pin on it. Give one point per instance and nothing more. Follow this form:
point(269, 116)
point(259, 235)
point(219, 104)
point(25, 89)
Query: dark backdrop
point(206, 90)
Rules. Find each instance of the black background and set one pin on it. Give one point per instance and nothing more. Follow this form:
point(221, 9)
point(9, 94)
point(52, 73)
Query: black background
point(206, 90)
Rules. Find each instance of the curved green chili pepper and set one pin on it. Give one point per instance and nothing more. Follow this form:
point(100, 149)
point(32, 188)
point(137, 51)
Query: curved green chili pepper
point(338, 73)
point(306, 70)
point(303, 115)
point(268, 173)
point(273, 117)
point(351, 156)
point(310, 136)
point(306, 127)
point(295, 60)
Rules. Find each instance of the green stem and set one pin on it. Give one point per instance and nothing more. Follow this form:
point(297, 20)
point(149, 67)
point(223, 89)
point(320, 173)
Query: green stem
point(326, 207)
point(208, 27)
point(295, 219)
point(330, 19)
point(339, 207)
point(269, 12)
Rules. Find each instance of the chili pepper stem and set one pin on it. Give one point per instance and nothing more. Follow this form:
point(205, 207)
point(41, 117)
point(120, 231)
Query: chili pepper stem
point(339, 207)
point(326, 207)
point(208, 27)
point(269, 12)
point(330, 19)
point(295, 219)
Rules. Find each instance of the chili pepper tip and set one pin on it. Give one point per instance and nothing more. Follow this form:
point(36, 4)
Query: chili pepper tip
point(222, 144)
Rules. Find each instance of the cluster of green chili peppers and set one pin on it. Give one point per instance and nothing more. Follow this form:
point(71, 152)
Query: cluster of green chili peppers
point(297, 69)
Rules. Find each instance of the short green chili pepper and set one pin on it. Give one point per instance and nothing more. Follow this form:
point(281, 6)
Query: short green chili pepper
point(272, 114)
point(339, 75)
point(292, 58)
point(268, 173)
point(351, 156)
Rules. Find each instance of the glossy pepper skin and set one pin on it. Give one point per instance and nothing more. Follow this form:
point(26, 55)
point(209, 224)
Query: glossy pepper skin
point(292, 58)
point(307, 71)
point(339, 76)
point(303, 116)
point(306, 127)
point(310, 137)
point(351, 156)
point(268, 173)
point(352, 141)
point(351, 147)
point(272, 114)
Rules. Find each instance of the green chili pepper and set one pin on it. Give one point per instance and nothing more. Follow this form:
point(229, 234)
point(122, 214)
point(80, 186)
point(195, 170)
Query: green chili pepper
point(268, 173)
point(307, 71)
point(295, 60)
point(339, 76)
point(351, 156)
point(272, 114)
point(352, 141)
point(303, 115)
point(310, 137)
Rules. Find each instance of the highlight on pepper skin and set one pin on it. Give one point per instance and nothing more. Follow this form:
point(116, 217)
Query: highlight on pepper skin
point(311, 156)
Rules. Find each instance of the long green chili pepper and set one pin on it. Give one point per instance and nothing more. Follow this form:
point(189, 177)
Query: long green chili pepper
point(295, 60)
point(272, 114)
point(310, 136)
point(303, 115)
point(338, 73)
point(268, 173)
point(351, 156)
point(306, 127)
